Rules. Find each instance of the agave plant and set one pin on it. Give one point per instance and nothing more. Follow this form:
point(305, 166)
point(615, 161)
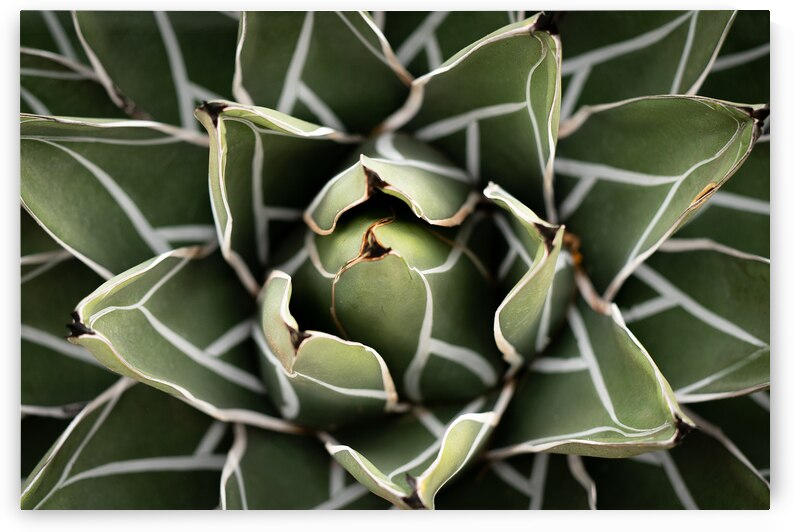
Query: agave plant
point(441, 260)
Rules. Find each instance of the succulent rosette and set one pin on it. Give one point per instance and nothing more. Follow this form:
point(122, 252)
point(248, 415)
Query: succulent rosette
point(412, 260)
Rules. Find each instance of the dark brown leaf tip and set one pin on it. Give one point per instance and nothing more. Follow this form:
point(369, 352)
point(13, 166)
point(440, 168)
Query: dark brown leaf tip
point(682, 428)
point(213, 109)
point(374, 181)
point(371, 247)
point(297, 337)
point(78, 328)
point(413, 500)
point(547, 21)
point(548, 234)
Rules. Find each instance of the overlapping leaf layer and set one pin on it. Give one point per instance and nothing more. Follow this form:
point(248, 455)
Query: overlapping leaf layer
point(351, 260)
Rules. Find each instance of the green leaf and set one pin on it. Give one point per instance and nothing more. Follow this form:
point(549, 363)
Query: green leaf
point(743, 424)
point(407, 459)
point(635, 170)
point(300, 153)
point(703, 312)
point(199, 336)
point(737, 215)
point(57, 377)
point(113, 208)
point(493, 108)
point(52, 31)
point(38, 434)
point(108, 459)
point(435, 190)
point(615, 55)
point(156, 64)
point(741, 71)
point(319, 379)
point(594, 392)
point(298, 474)
point(391, 283)
point(532, 309)
point(333, 68)
point(531, 481)
point(51, 84)
point(424, 40)
point(701, 304)
point(702, 473)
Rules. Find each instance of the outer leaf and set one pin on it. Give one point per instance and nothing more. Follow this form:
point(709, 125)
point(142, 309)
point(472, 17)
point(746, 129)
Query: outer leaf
point(162, 67)
point(267, 470)
point(57, 377)
point(742, 424)
point(407, 460)
point(51, 84)
point(535, 482)
point(435, 190)
point(38, 434)
point(424, 40)
point(114, 208)
point(701, 306)
point(737, 215)
point(494, 108)
point(319, 379)
point(525, 317)
point(107, 457)
point(155, 308)
point(247, 187)
point(741, 71)
point(700, 474)
point(704, 314)
point(52, 31)
point(332, 68)
point(635, 170)
point(595, 392)
point(615, 55)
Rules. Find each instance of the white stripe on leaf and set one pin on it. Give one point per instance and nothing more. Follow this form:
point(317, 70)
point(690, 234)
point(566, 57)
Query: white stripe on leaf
point(157, 244)
point(671, 292)
point(289, 91)
point(57, 344)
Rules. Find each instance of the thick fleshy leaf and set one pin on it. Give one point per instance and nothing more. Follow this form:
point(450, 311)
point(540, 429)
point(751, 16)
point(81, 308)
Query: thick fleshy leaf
point(38, 434)
point(156, 64)
point(271, 471)
point(51, 84)
point(634, 171)
point(737, 215)
point(594, 392)
point(108, 457)
point(702, 473)
point(152, 324)
point(493, 108)
point(703, 312)
point(391, 283)
point(743, 424)
point(435, 190)
point(615, 55)
point(701, 303)
point(741, 71)
point(408, 459)
point(532, 308)
point(115, 192)
point(58, 378)
point(253, 152)
point(52, 31)
point(317, 379)
point(423, 40)
point(531, 481)
point(332, 68)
